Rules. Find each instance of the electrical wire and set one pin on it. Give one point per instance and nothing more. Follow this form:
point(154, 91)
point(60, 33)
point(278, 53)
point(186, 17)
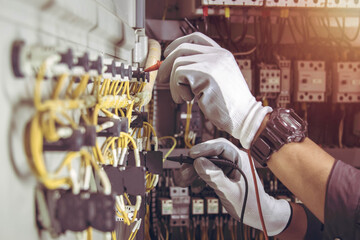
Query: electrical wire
point(341, 125)
point(257, 196)
point(187, 126)
point(172, 148)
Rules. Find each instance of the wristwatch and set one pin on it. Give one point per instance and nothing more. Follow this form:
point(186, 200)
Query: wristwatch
point(284, 126)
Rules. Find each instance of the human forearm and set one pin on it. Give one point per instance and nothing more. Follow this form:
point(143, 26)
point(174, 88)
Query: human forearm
point(304, 168)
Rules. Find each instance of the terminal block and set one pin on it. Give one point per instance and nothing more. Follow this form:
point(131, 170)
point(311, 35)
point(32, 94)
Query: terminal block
point(269, 80)
point(72, 143)
point(285, 74)
point(310, 81)
point(27, 59)
point(346, 82)
point(152, 160)
point(245, 68)
point(118, 125)
point(60, 210)
point(181, 203)
point(140, 75)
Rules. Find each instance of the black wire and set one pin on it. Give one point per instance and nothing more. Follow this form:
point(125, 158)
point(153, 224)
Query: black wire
point(217, 28)
point(227, 26)
point(245, 24)
point(311, 26)
point(292, 34)
point(281, 30)
point(228, 163)
point(256, 38)
point(244, 203)
point(301, 33)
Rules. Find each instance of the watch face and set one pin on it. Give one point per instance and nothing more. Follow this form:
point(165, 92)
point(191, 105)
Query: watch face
point(289, 121)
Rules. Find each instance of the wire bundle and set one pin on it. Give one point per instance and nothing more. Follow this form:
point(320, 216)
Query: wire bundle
point(77, 101)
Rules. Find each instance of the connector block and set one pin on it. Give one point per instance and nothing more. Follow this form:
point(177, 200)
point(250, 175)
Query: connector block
point(310, 81)
point(346, 82)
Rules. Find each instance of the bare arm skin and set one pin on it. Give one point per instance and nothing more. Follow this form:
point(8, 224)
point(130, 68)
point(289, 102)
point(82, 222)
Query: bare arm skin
point(304, 169)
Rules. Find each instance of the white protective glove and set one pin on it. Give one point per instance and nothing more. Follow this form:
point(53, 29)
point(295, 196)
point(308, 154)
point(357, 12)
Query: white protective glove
point(198, 66)
point(231, 189)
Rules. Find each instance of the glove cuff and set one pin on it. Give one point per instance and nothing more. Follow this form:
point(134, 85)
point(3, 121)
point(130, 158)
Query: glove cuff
point(249, 127)
point(278, 220)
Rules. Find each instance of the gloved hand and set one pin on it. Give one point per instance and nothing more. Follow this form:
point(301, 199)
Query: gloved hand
point(230, 189)
point(196, 66)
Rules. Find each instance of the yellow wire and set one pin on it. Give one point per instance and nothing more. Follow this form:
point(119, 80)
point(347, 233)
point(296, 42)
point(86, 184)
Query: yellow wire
point(126, 85)
point(128, 91)
point(129, 113)
point(122, 134)
point(81, 86)
point(113, 235)
point(37, 90)
point(187, 126)
point(119, 88)
point(151, 127)
point(59, 84)
point(112, 86)
point(172, 148)
point(127, 198)
point(89, 233)
point(103, 85)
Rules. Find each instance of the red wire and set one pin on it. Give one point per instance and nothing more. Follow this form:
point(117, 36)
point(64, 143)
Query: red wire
point(257, 196)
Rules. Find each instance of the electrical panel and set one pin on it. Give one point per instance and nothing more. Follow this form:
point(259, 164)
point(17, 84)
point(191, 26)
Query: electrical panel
point(346, 82)
point(233, 2)
point(269, 80)
point(310, 81)
point(245, 68)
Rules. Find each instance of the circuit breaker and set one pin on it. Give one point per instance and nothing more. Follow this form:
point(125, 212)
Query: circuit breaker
point(181, 202)
point(346, 82)
point(310, 81)
point(245, 68)
point(269, 80)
